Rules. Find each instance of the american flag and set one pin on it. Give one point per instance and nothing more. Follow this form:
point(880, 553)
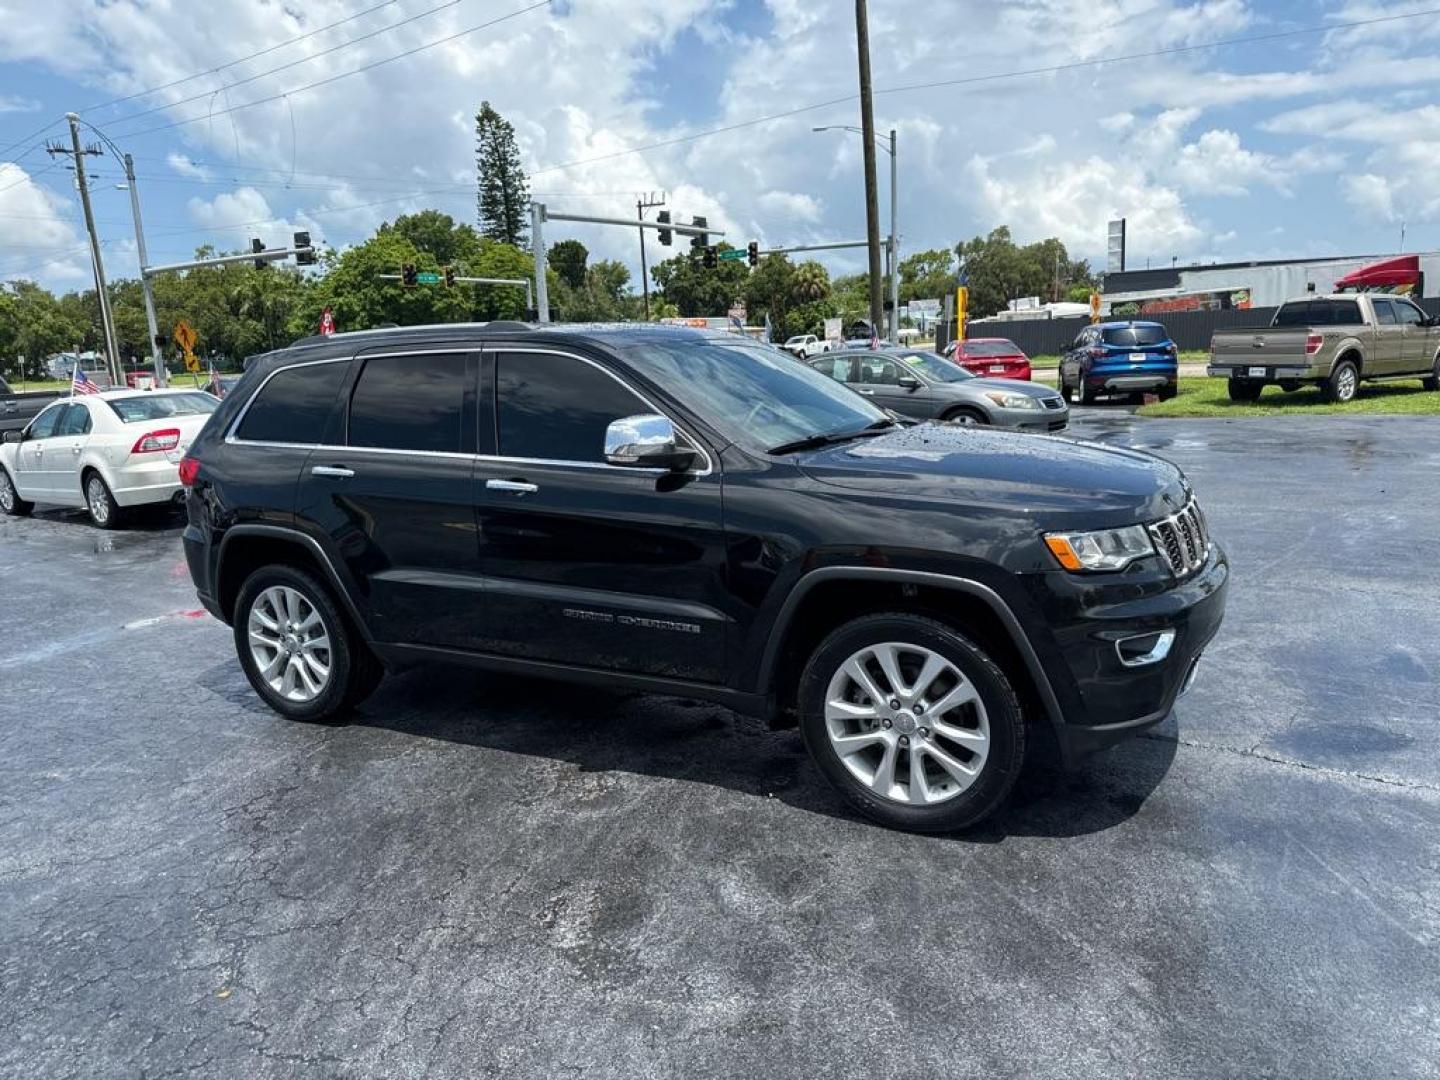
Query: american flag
point(80, 383)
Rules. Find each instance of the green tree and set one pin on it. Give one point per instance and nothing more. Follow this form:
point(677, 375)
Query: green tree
point(811, 282)
point(504, 193)
point(35, 325)
point(998, 270)
point(927, 275)
point(769, 290)
point(569, 257)
point(697, 291)
point(436, 233)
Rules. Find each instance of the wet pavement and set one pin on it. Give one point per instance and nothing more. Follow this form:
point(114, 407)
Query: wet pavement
point(486, 877)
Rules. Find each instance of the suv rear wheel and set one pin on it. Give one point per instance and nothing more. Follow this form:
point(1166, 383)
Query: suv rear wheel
point(298, 652)
point(913, 722)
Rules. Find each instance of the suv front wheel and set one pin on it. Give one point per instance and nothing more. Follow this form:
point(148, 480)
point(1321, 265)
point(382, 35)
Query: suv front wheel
point(915, 724)
point(297, 650)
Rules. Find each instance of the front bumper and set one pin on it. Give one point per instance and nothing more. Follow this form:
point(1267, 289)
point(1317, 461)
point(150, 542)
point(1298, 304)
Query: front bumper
point(1104, 699)
point(1041, 420)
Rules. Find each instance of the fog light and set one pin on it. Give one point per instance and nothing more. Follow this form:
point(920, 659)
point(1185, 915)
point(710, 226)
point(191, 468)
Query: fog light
point(1143, 649)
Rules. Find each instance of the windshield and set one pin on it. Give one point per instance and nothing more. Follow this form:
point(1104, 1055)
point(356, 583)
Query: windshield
point(796, 340)
point(935, 368)
point(1135, 335)
point(133, 410)
point(991, 348)
point(753, 394)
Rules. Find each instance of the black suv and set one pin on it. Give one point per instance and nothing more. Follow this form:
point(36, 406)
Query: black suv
point(696, 514)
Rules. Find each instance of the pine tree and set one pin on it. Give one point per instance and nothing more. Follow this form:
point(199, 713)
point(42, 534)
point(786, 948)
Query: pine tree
point(504, 194)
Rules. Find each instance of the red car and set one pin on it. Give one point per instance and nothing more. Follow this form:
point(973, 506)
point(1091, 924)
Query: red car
point(991, 356)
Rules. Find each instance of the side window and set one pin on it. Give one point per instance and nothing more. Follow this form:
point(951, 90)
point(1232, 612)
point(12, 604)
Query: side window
point(557, 407)
point(877, 371)
point(76, 421)
point(43, 426)
point(837, 368)
point(1384, 312)
point(1409, 313)
point(410, 403)
point(295, 405)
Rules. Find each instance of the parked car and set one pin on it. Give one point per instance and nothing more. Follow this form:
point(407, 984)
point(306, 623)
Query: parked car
point(1000, 357)
point(18, 409)
point(1120, 358)
point(685, 512)
point(804, 346)
point(106, 452)
point(1332, 342)
point(925, 386)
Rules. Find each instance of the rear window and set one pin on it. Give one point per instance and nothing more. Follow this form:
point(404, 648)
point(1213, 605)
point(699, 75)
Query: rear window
point(139, 409)
point(294, 406)
point(991, 348)
point(1318, 313)
point(1136, 335)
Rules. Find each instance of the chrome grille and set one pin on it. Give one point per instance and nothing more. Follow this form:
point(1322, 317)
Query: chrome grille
point(1181, 540)
point(1053, 402)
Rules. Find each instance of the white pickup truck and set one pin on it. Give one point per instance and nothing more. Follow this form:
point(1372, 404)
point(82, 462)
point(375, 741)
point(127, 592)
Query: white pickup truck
point(1333, 342)
point(805, 346)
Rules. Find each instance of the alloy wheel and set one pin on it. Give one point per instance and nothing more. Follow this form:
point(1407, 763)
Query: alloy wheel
point(907, 723)
point(7, 493)
point(98, 500)
point(1345, 384)
point(289, 643)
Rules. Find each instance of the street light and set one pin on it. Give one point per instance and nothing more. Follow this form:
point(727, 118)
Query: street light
point(888, 145)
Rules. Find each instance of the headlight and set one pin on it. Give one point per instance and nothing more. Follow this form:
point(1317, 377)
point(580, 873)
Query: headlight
point(1105, 549)
point(1012, 401)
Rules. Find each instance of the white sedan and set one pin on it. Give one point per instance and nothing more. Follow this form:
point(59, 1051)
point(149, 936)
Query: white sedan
point(105, 452)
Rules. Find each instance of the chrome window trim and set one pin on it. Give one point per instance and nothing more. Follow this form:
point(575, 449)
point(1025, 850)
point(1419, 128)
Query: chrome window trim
point(233, 439)
point(497, 347)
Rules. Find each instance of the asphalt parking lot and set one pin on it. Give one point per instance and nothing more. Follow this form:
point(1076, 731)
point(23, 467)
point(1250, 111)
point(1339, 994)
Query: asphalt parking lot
point(481, 877)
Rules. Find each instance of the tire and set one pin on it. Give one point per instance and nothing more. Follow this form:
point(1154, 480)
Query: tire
point(289, 597)
point(966, 415)
point(1244, 389)
point(1343, 385)
point(104, 511)
point(1169, 392)
point(1290, 385)
point(1087, 396)
point(10, 501)
point(1432, 381)
point(1066, 392)
point(983, 737)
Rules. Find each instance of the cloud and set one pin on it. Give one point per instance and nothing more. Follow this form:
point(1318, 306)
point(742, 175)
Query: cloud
point(1372, 195)
point(40, 243)
point(245, 213)
point(12, 104)
point(182, 164)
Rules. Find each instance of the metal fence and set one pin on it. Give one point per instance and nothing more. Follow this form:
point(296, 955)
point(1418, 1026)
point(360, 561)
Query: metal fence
point(1188, 329)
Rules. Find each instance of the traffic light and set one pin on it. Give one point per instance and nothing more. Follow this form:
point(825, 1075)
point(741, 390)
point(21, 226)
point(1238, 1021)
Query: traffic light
point(665, 235)
point(703, 240)
point(407, 275)
point(753, 253)
point(449, 277)
point(303, 257)
point(256, 247)
point(712, 258)
point(161, 341)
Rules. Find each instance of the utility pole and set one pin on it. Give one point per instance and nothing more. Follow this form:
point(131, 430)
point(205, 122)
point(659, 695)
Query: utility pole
point(894, 247)
point(867, 130)
point(150, 321)
point(641, 205)
point(107, 322)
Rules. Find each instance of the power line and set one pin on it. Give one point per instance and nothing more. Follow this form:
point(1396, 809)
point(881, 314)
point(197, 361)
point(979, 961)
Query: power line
point(293, 63)
point(342, 75)
point(241, 60)
point(1054, 68)
point(37, 132)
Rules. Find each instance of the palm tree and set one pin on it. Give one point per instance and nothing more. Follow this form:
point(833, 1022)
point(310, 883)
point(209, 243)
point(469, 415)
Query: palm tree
point(810, 282)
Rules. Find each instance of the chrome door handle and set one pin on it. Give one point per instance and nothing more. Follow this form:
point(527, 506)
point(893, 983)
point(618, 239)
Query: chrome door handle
point(75, 450)
point(868, 393)
point(332, 470)
point(519, 487)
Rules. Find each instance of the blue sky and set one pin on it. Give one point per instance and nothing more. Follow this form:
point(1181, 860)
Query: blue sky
point(1223, 149)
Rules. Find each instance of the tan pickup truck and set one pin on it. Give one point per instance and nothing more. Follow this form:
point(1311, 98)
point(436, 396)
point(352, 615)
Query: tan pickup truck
point(1333, 342)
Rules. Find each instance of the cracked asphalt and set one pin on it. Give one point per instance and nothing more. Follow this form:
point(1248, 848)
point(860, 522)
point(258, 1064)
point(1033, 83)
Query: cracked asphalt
point(487, 877)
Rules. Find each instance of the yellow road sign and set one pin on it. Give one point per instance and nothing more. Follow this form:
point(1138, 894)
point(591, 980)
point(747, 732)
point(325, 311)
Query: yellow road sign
point(185, 336)
point(192, 362)
point(1094, 307)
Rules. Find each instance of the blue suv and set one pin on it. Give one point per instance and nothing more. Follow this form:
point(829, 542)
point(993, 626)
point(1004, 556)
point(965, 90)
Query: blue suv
point(1120, 358)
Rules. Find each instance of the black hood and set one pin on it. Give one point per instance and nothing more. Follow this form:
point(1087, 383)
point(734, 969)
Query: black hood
point(1044, 475)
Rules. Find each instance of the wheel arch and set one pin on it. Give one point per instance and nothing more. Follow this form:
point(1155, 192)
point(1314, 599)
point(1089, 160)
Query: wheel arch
point(1351, 350)
point(824, 598)
point(246, 548)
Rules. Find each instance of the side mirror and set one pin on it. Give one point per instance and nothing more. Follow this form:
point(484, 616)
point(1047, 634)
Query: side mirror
point(11, 436)
point(647, 441)
point(909, 382)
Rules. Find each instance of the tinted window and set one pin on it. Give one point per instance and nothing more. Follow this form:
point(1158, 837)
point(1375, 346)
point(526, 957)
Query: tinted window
point(410, 403)
point(1135, 335)
point(877, 371)
point(132, 410)
point(1318, 313)
point(43, 426)
point(1385, 311)
point(295, 405)
point(76, 421)
point(557, 407)
point(838, 367)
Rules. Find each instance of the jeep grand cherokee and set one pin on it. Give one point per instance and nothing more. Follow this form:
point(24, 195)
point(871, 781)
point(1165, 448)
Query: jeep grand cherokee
point(693, 513)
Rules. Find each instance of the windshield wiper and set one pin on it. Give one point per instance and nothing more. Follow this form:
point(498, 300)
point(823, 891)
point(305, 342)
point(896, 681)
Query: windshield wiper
point(811, 442)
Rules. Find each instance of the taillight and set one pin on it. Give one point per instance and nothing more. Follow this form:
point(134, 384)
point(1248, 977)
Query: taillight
point(1313, 343)
point(1096, 352)
point(189, 470)
point(167, 439)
